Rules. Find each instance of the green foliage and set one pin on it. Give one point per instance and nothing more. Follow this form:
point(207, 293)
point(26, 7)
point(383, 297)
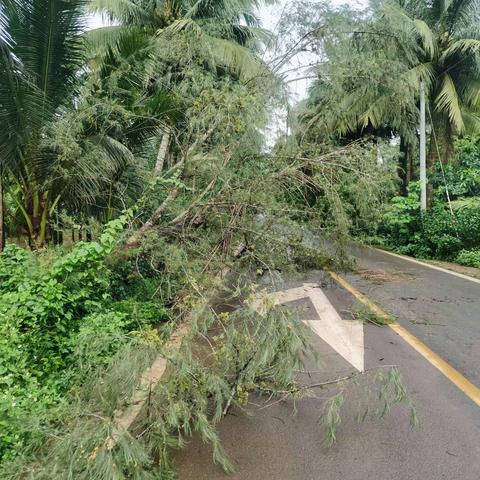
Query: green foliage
point(436, 234)
point(402, 218)
point(462, 177)
point(224, 358)
point(364, 314)
point(469, 258)
point(385, 389)
point(331, 417)
point(53, 315)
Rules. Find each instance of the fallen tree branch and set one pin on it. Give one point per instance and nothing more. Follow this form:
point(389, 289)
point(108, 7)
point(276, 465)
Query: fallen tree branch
point(134, 240)
point(289, 393)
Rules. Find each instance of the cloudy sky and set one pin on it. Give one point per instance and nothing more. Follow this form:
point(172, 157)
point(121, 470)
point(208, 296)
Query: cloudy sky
point(270, 17)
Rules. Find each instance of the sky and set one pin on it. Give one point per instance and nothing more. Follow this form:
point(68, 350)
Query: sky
point(270, 16)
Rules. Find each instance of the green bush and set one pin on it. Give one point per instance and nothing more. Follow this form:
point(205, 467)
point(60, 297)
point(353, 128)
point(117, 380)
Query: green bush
point(463, 175)
point(469, 258)
point(402, 222)
point(55, 317)
point(434, 234)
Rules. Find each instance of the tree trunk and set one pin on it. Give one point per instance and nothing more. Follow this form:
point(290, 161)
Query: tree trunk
point(431, 158)
point(39, 220)
point(163, 151)
point(448, 149)
point(410, 167)
point(134, 240)
point(404, 167)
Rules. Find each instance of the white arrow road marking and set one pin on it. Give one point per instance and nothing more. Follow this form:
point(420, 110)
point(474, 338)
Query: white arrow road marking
point(346, 337)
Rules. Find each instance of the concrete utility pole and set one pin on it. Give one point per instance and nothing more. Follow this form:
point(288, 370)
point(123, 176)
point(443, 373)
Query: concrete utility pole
point(423, 149)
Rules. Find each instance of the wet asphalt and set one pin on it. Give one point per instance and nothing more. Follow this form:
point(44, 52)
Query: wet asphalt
point(285, 441)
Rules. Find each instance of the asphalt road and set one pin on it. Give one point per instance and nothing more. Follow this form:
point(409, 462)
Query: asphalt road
point(283, 443)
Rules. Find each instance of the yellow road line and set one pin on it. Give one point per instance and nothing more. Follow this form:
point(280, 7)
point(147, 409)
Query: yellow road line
point(467, 387)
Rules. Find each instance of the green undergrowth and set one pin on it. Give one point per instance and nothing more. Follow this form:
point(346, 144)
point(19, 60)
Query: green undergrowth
point(469, 258)
point(62, 317)
point(224, 358)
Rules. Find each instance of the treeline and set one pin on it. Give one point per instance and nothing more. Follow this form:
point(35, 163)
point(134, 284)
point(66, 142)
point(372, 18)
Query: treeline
point(366, 83)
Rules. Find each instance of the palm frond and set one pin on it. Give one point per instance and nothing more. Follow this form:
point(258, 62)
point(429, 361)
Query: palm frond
point(471, 93)
point(99, 39)
point(225, 9)
point(462, 46)
point(461, 13)
point(22, 105)
point(471, 119)
point(220, 52)
point(375, 113)
point(235, 58)
point(393, 13)
point(448, 101)
point(117, 153)
point(125, 11)
point(422, 72)
point(427, 36)
point(46, 37)
point(180, 25)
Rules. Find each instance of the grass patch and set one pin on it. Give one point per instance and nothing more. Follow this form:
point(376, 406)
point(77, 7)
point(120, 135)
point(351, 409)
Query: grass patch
point(363, 314)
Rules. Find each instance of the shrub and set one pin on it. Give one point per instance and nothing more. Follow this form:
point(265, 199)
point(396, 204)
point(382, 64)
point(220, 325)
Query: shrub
point(47, 311)
point(469, 258)
point(462, 176)
point(434, 234)
point(402, 221)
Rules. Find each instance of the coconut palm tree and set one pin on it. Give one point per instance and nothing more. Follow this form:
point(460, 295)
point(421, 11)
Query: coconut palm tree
point(406, 41)
point(40, 59)
point(222, 36)
point(370, 85)
point(50, 151)
point(450, 40)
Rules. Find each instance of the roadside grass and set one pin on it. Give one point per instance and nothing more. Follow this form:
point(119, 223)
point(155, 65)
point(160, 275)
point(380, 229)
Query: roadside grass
point(365, 315)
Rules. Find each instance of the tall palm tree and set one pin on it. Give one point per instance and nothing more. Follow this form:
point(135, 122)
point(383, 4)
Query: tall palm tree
point(50, 151)
point(450, 39)
point(4, 55)
point(224, 35)
point(39, 67)
point(405, 42)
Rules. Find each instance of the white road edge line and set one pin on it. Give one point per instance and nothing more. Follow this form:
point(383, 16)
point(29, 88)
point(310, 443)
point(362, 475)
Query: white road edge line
point(423, 264)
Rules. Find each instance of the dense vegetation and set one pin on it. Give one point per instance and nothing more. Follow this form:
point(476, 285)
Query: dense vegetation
point(369, 86)
point(136, 190)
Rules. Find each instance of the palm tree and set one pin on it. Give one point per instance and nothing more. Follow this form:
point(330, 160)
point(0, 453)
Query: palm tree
point(53, 153)
point(39, 61)
point(5, 53)
point(450, 40)
point(224, 37)
point(405, 42)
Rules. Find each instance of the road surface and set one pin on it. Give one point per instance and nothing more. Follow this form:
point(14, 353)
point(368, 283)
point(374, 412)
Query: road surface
point(440, 309)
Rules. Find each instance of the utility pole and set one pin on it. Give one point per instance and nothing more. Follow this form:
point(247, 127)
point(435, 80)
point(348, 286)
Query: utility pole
point(423, 149)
